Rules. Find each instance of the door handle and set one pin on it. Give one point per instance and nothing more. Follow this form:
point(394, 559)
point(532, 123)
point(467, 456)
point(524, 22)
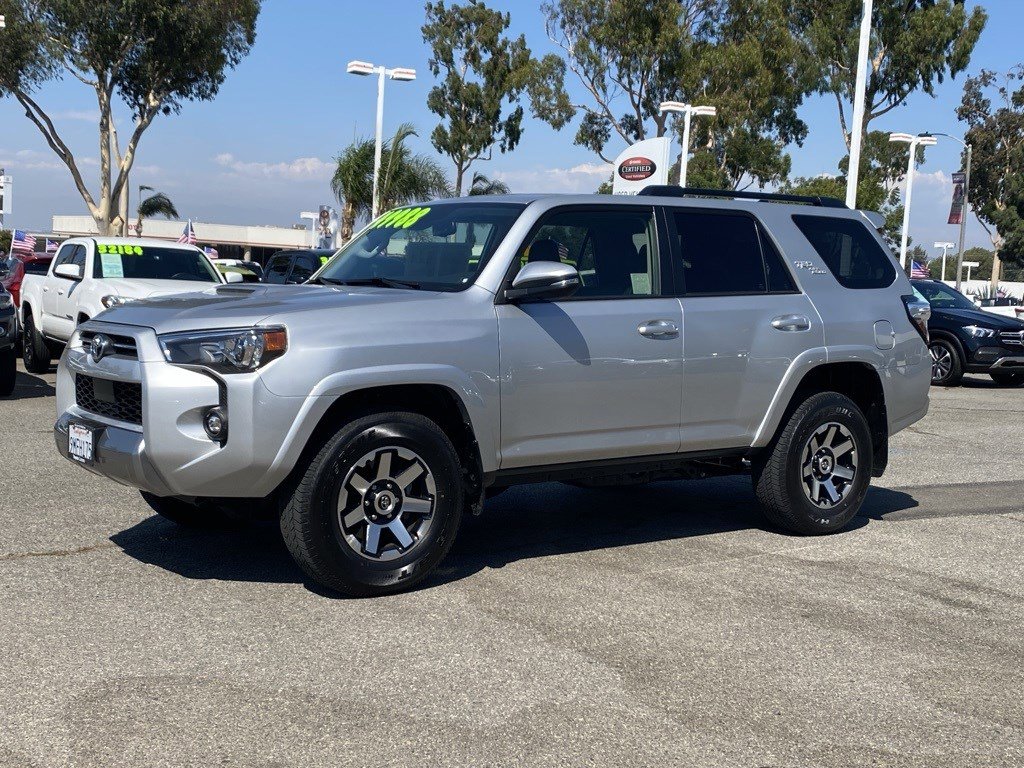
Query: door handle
point(658, 329)
point(60, 293)
point(791, 323)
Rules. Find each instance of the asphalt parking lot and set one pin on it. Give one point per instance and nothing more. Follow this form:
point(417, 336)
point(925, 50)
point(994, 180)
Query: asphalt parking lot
point(660, 626)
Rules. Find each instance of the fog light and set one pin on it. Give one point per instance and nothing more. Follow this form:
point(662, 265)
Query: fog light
point(215, 422)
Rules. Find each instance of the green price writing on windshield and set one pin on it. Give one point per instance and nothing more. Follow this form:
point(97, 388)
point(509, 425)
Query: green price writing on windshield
point(400, 218)
point(126, 250)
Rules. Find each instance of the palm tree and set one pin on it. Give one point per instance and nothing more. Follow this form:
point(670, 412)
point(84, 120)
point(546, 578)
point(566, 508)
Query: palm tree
point(485, 186)
point(157, 204)
point(404, 177)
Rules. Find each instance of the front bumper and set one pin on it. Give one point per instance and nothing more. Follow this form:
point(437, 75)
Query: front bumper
point(169, 453)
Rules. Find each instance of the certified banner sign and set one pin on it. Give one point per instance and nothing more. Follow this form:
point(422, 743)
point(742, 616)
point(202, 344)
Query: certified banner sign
point(641, 164)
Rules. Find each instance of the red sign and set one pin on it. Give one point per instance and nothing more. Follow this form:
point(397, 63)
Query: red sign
point(637, 168)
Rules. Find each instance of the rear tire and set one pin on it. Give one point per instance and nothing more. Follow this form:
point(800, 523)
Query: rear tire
point(378, 507)
point(1008, 379)
point(35, 351)
point(947, 367)
point(8, 371)
point(813, 477)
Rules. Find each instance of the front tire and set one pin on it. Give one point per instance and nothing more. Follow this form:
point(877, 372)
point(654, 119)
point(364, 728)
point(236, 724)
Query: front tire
point(35, 352)
point(8, 371)
point(1008, 379)
point(378, 507)
point(813, 478)
point(947, 367)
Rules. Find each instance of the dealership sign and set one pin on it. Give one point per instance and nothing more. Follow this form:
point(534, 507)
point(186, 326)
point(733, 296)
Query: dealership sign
point(644, 163)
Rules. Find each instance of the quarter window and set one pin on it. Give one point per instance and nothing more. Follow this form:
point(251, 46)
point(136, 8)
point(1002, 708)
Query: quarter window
point(720, 252)
point(614, 249)
point(849, 250)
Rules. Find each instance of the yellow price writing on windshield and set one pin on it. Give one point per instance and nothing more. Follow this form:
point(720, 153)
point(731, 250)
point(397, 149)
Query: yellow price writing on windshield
point(400, 218)
point(125, 250)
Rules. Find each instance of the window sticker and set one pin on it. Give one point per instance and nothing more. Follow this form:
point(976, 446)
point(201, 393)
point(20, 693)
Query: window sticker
point(641, 283)
point(400, 218)
point(111, 264)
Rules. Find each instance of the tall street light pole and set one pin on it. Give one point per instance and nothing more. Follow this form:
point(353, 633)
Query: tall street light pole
point(860, 86)
point(914, 142)
point(397, 73)
point(687, 111)
point(967, 202)
point(945, 249)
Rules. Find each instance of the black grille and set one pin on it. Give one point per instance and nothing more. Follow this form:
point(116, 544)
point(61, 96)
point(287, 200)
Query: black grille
point(121, 400)
point(124, 346)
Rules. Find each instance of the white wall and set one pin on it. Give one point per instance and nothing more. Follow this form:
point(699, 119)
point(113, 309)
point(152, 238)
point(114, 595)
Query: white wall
point(969, 287)
point(220, 234)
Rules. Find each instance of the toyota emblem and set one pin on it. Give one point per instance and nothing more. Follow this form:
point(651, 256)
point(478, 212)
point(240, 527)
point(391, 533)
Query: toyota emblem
point(100, 347)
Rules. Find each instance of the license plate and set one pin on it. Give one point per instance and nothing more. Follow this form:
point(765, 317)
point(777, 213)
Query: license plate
point(80, 443)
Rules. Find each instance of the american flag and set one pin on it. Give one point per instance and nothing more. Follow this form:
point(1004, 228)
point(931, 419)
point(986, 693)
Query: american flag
point(188, 235)
point(51, 245)
point(211, 252)
point(919, 270)
point(23, 241)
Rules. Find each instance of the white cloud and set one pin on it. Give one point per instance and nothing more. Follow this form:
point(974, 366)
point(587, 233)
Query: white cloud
point(582, 178)
point(30, 160)
point(84, 115)
point(299, 169)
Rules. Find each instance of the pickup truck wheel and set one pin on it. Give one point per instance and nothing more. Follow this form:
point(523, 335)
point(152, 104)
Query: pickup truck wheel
point(8, 371)
point(35, 351)
point(1007, 379)
point(947, 368)
point(378, 507)
point(813, 478)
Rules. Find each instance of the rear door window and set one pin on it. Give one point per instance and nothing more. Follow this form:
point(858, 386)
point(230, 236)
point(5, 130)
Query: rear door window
point(277, 269)
point(720, 253)
point(303, 269)
point(849, 251)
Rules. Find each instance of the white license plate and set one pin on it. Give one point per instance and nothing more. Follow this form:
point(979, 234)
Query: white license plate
point(80, 443)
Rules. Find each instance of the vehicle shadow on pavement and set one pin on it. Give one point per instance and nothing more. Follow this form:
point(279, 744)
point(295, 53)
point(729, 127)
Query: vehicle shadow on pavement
point(522, 523)
point(27, 387)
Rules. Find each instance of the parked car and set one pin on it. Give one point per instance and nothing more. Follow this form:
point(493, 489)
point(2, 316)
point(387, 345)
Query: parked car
point(251, 271)
point(463, 346)
point(17, 265)
point(1008, 306)
point(294, 267)
point(965, 339)
point(8, 339)
point(89, 275)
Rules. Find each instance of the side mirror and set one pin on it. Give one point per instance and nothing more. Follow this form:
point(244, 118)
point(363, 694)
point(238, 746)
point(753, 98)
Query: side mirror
point(234, 277)
point(69, 271)
point(544, 280)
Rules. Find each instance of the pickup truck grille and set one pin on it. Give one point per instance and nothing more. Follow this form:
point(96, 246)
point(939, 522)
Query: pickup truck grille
point(1012, 337)
point(121, 400)
point(124, 346)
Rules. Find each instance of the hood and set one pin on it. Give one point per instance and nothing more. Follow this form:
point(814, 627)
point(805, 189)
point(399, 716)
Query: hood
point(138, 288)
point(242, 305)
point(979, 317)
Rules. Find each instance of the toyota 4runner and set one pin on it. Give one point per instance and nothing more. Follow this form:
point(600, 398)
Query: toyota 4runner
point(455, 348)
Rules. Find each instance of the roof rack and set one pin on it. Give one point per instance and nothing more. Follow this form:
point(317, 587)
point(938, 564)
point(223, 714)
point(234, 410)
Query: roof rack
point(669, 190)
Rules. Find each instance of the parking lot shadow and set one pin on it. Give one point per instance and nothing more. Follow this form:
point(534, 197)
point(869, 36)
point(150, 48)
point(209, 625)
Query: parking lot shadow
point(27, 386)
point(522, 523)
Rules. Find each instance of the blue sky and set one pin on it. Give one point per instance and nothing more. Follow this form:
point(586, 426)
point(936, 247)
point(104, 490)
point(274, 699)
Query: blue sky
point(261, 152)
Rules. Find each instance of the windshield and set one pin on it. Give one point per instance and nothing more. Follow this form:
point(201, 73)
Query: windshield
point(441, 248)
point(153, 263)
point(941, 296)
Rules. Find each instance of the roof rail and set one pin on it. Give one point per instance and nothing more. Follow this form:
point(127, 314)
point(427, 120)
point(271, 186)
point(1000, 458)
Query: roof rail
point(669, 190)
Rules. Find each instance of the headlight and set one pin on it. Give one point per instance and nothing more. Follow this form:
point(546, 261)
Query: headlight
point(114, 301)
point(234, 351)
point(978, 332)
point(6, 300)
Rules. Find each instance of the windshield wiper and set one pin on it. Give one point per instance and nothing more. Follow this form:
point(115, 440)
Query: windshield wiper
point(379, 282)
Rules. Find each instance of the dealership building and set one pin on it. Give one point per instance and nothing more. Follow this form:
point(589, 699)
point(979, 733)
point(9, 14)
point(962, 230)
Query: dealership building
point(232, 241)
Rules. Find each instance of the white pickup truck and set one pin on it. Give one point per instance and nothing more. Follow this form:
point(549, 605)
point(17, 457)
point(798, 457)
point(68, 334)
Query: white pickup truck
point(90, 274)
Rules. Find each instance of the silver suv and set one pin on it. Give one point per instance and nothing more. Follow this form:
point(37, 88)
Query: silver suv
point(456, 348)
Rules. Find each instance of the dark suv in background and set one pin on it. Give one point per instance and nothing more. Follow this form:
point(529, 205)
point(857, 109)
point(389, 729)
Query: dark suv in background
point(294, 267)
point(965, 339)
point(8, 337)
